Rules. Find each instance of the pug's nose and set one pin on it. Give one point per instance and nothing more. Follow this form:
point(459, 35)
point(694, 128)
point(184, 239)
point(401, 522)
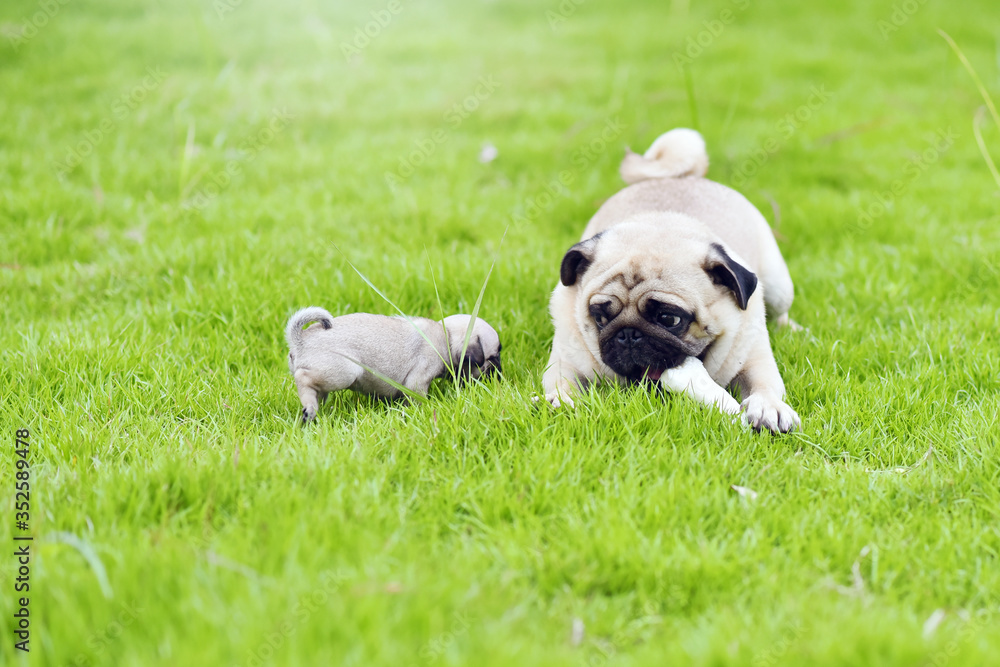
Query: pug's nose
point(629, 337)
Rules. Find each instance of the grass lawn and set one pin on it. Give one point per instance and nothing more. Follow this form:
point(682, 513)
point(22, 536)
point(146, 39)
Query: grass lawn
point(176, 178)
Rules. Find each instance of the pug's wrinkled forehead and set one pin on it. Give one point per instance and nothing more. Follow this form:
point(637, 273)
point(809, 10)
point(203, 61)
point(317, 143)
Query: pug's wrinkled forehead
point(633, 259)
point(635, 283)
point(631, 276)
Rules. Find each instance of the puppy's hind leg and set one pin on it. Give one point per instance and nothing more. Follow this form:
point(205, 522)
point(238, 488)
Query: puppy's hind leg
point(314, 385)
point(308, 395)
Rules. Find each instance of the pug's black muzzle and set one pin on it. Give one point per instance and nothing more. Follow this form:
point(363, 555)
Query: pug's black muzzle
point(490, 368)
point(634, 354)
point(487, 369)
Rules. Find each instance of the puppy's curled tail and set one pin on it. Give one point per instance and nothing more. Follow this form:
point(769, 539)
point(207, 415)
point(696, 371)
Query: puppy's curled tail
point(678, 153)
point(296, 324)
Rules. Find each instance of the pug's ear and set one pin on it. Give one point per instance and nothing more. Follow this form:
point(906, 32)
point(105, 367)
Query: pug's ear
point(726, 271)
point(577, 260)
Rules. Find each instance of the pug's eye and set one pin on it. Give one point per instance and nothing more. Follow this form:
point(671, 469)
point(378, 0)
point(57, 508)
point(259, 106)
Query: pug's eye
point(670, 320)
point(599, 314)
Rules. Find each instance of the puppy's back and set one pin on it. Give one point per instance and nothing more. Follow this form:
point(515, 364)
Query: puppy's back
point(381, 342)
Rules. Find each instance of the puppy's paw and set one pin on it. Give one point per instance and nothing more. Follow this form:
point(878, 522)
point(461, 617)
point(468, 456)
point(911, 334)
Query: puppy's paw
point(761, 411)
point(308, 415)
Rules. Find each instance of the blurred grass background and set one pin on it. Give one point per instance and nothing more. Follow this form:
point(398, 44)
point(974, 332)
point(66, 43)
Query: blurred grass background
point(143, 347)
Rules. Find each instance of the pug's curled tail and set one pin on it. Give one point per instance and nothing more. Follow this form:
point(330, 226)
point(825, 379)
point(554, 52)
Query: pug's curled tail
point(676, 154)
point(298, 322)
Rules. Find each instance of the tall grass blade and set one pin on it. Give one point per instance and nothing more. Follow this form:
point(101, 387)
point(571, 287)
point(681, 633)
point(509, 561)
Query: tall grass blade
point(976, 125)
point(692, 102)
point(977, 121)
point(975, 77)
point(479, 300)
point(390, 302)
point(409, 393)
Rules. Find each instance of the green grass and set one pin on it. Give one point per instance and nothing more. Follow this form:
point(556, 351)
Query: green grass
point(142, 339)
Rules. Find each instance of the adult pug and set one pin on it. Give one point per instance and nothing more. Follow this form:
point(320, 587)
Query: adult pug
point(672, 282)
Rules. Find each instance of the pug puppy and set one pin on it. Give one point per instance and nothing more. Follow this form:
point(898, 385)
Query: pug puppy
point(359, 351)
point(672, 282)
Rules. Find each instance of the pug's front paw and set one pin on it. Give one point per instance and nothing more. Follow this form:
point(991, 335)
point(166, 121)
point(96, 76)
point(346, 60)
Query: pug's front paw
point(761, 411)
point(560, 394)
point(558, 398)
